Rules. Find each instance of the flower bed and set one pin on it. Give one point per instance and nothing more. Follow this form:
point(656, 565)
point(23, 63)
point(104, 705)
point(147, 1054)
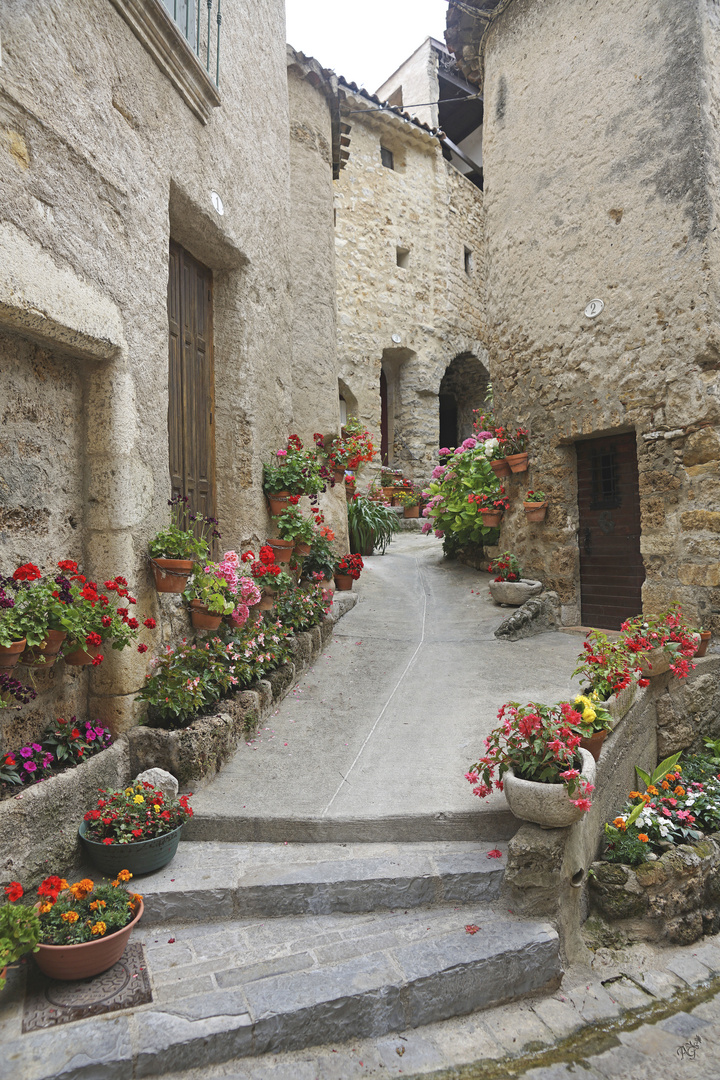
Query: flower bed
point(64, 745)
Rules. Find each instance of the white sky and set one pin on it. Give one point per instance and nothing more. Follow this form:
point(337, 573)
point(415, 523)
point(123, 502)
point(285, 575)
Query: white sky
point(364, 41)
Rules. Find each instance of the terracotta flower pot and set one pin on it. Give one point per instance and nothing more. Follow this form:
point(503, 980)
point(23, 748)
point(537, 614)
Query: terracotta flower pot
point(82, 655)
point(548, 805)
point(47, 653)
point(593, 743)
point(301, 548)
point(171, 575)
point(411, 511)
point(500, 468)
point(282, 549)
point(535, 511)
point(278, 502)
point(201, 618)
point(328, 584)
point(267, 601)
point(491, 518)
point(343, 582)
point(10, 654)
point(702, 648)
point(387, 493)
point(74, 962)
point(338, 475)
point(517, 462)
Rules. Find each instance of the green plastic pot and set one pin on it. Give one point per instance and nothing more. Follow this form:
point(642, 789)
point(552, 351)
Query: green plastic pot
point(139, 858)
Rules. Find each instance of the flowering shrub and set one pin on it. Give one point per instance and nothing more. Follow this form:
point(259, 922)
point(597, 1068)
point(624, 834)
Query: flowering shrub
point(506, 567)
point(493, 503)
point(539, 742)
point(66, 743)
point(322, 559)
point(351, 565)
point(667, 631)
point(606, 665)
point(267, 573)
point(187, 537)
point(451, 508)
point(72, 914)
point(137, 813)
point(209, 585)
point(299, 609)
point(516, 443)
point(296, 470)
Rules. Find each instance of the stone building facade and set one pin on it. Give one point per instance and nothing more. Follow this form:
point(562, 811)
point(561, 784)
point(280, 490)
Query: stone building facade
point(601, 153)
point(116, 142)
point(408, 240)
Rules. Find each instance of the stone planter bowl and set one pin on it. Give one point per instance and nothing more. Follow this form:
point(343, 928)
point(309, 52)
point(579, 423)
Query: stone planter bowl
point(514, 593)
point(547, 805)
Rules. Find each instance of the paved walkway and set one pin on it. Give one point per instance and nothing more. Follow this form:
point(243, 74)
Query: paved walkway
point(384, 726)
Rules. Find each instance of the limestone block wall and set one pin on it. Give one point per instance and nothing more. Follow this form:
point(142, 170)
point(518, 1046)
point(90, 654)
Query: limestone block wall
point(102, 162)
point(600, 153)
point(411, 320)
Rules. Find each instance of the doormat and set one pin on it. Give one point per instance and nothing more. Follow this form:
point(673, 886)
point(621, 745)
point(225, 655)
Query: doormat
point(49, 1002)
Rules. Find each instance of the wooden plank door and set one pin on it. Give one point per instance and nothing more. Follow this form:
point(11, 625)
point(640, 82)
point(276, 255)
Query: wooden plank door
point(191, 402)
point(611, 566)
point(384, 420)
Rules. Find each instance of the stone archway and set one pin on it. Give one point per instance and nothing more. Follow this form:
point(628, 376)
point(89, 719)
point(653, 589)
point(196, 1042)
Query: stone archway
point(463, 389)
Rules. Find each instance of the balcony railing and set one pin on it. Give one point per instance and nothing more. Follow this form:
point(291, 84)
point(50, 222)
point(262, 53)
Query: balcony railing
point(199, 31)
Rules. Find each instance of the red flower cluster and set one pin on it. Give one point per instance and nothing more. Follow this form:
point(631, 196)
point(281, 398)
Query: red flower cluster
point(68, 566)
point(351, 565)
point(294, 499)
point(93, 639)
point(13, 891)
point(247, 556)
point(267, 555)
point(27, 572)
point(51, 887)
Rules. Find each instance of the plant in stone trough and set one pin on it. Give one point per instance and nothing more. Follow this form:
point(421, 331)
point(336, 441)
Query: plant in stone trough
point(506, 567)
point(606, 666)
point(538, 742)
point(667, 631)
point(136, 813)
point(593, 717)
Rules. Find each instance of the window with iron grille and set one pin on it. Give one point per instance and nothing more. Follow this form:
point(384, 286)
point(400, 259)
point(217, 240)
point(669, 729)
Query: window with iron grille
point(190, 19)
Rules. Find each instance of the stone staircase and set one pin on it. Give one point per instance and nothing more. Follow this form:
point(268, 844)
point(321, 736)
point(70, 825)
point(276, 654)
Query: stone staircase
point(260, 948)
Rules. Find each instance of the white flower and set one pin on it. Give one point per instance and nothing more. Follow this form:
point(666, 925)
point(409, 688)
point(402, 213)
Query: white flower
point(489, 446)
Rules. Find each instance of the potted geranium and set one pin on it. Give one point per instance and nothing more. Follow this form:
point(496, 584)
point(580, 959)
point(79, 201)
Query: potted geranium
point(32, 602)
point(209, 596)
point(137, 828)
point(322, 559)
point(492, 506)
point(84, 927)
point(91, 620)
point(296, 471)
point(348, 570)
point(12, 640)
point(515, 452)
point(351, 451)
point(186, 540)
point(269, 577)
point(19, 929)
point(509, 586)
point(535, 504)
point(297, 533)
point(535, 757)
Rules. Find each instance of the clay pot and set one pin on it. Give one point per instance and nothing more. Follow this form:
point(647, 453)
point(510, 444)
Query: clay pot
point(82, 655)
point(411, 511)
point(491, 518)
point(328, 584)
point(302, 549)
point(500, 468)
point(201, 618)
point(343, 582)
point(338, 475)
point(46, 654)
point(535, 511)
point(387, 493)
point(278, 502)
point(74, 962)
point(593, 743)
point(267, 601)
point(517, 462)
point(282, 549)
point(10, 654)
point(171, 575)
point(702, 648)
point(548, 805)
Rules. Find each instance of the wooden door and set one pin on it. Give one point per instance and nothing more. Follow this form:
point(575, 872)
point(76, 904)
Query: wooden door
point(611, 566)
point(191, 405)
point(384, 420)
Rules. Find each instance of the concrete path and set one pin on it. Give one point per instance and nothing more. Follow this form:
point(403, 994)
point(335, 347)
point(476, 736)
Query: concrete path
point(374, 741)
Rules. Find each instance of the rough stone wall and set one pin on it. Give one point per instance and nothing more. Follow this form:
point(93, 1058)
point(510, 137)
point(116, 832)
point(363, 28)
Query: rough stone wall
point(413, 321)
point(608, 190)
point(419, 81)
point(101, 163)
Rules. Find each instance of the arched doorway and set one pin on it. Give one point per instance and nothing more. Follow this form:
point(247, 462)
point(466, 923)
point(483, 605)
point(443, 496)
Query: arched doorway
point(463, 389)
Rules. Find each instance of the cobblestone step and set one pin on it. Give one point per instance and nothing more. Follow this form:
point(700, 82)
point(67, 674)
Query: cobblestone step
point(247, 987)
point(208, 881)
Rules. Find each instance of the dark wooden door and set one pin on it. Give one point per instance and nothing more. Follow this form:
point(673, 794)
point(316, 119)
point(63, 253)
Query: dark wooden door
point(611, 567)
point(384, 424)
point(191, 405)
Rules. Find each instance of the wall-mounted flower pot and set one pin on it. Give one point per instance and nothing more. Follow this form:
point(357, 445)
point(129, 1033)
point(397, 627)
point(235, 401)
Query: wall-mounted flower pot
point(267, 601)
point(201, 618)
point(171, 575)
point(517, 462)
point(411, 511)
point(278, 502)
point(343, 582)
point(702, 648)
point(282, 549)
point(500, 468)
point(82, 655)
point(593, 743)
point(301, 549)
point(535, 511)
point(387, 493)
point(47, 653)
point(10, 654)
point(491, 518)
point(74, 962)
point(338, 475)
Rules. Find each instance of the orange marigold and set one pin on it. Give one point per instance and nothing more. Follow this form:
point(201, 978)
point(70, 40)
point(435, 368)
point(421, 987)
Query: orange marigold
point(642, 836)
point(44, 908)
point(124, 875)
point(653, 790)
point(99, 928)
point(70, 916)
point(619, 823)
point(679, 790)
point(97, 904)
point(82, 888)
point(665, 786)
point(635, 795)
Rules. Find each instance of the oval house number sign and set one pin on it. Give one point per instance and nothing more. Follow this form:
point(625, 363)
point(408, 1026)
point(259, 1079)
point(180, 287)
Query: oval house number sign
point(594, 308)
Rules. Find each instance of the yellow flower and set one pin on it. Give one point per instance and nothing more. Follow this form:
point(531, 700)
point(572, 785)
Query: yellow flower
point(582, 700)
point(44, 908)
point(139, 799)
point(70, 916)
point(589, 715)
point(99, 928)
point(128, 791)
point(156, 807)
point(124, 875)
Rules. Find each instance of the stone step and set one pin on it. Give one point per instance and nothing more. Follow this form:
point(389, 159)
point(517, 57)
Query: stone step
point(207, 881)
point(246, 987)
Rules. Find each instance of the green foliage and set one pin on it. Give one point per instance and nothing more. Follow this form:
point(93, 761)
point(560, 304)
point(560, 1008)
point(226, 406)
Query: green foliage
point(114, 909)
point(321, 560)
point(452, 506)
point(623, 847)
point(293, 525)
point(19, 934)
point(296, 470)
point(187, 536)
point(299, 609)
point(210, 588)
point(370, 524)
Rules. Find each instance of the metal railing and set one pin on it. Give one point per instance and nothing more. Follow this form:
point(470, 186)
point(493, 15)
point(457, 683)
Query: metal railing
point(190, 20)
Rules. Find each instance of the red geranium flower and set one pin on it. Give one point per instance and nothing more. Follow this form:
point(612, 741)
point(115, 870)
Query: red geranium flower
point(150, 623)
point(98, 659)
point(142, 648)
point(68, 565)
point(93, 639)
point(13, 891)
point(27, 572)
